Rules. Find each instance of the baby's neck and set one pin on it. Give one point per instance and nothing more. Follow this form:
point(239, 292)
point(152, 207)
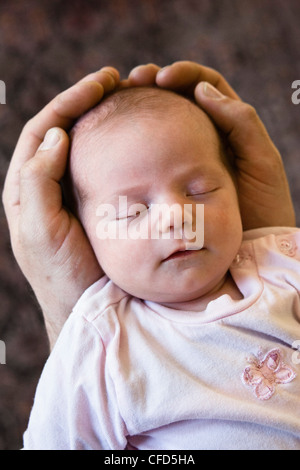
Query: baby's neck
point(225, 286)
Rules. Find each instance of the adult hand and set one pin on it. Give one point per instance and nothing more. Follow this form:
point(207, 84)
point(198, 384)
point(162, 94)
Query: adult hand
point(263, 188)
point(48, 242)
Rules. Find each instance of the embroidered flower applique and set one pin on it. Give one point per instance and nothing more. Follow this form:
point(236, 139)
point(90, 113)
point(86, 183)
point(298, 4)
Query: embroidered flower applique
point(287, 246)
point(264, 373)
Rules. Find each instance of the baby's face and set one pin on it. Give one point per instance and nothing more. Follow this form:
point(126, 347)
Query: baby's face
point(160, 160)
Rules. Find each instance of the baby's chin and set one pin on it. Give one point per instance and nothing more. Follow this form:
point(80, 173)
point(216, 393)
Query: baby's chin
point(179, 299)
point(170, 299)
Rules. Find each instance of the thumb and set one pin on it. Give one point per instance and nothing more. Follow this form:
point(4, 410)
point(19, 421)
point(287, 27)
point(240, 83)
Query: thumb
point(40, 191)
point(246, 134)
point(52, 153)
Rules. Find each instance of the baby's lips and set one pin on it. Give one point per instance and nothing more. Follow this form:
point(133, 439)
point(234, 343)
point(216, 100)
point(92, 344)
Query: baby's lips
point(193, 246)
point(185, 247)
point(179, 248)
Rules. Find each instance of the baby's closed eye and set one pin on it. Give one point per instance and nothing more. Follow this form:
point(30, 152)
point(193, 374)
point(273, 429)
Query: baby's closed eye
point(133, 210)
point(202, 191)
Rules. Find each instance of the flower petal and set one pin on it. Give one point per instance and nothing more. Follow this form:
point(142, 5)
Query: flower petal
point(264, 390)
point(284, 375)
point(252, 375)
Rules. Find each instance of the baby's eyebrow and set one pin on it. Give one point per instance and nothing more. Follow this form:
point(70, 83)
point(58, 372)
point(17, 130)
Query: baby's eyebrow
point(131, 191)
point(142, 190)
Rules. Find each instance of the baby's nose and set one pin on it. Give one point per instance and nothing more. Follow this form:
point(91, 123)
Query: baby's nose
point(169, 218)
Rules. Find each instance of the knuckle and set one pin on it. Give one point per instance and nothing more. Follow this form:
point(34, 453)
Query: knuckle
point(29, 171)
point(112, 71)
point(29, 126)
point(248, 112)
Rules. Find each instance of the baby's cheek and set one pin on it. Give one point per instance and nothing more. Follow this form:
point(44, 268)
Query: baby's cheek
point(223, 223)
point(116, 257)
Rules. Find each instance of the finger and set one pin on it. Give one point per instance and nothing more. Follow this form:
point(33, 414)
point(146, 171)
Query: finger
point(78, 98)
point(63, 109)
point(258, 163)
point(60, 112)
point(143, 75)
point(183, 77)
point(74, 101)
point(239, 121)
point(109, 78)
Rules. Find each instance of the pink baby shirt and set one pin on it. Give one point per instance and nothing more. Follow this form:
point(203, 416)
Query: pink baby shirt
point(132, 373)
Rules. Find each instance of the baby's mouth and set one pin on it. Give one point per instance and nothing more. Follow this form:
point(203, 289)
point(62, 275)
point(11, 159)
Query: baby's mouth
point(182, 253)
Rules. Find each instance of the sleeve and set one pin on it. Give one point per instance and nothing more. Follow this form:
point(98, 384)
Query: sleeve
point(75, 406)
point(278, 257)
point(255, 233)
point(288, 246)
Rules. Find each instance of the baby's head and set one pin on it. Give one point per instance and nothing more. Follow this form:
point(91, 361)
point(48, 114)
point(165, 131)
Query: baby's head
point(143, 164)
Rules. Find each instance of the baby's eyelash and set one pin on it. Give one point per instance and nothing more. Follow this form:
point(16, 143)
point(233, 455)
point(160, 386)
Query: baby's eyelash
point(201, 193)
point(140, 208)
point(136, 209)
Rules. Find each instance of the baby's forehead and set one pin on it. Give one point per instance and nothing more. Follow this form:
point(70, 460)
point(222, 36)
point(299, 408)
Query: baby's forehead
point(134, 102)
point(94, 135)
point(96, 129)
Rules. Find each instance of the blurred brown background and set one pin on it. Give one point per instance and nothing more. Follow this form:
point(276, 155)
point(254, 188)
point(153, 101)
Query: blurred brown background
point(46, 46)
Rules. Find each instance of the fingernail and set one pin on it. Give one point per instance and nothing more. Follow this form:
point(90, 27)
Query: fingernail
point(212, 92)
point(51, 138)
point(163, 69)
